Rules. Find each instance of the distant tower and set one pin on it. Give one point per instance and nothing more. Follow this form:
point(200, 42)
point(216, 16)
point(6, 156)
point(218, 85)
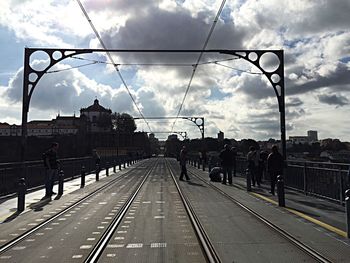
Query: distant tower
point(220, 136)
point(312, 135)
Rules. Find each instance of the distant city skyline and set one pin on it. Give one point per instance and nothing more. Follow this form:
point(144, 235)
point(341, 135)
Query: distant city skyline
point(230, 94)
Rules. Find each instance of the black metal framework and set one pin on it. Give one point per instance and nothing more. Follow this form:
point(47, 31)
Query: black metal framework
point(182, 134)
point(275, 76)
point(198, 121)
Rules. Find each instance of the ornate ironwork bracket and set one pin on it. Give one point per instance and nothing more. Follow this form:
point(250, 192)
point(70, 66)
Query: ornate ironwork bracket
point(199, 121)
point(275, 76)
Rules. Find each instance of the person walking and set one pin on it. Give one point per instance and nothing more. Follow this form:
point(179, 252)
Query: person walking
point(51, 164)
point(274, 166)
point(183, 160)
point(226, 157)
point(253, 164)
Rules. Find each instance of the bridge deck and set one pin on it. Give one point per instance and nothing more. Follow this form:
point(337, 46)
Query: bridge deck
point(156, 227)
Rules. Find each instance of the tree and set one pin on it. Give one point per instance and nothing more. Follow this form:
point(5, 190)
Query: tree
point(123, 123)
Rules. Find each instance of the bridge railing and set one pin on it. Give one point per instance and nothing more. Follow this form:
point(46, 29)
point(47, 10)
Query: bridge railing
point(35, 172)
point(326, 180)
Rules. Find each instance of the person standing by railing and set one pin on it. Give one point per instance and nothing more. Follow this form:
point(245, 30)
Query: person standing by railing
point(51, 163)
point(253, 164)
point(274, 167)
point(226, 157)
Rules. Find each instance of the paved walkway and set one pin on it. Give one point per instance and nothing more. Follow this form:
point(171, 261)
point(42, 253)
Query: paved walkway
point(9, 206)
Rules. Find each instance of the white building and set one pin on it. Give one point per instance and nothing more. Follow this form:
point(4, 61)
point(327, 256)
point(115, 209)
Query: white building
point(97, 117)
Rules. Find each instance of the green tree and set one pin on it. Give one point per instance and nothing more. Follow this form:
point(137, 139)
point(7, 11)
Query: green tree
point(123, 123)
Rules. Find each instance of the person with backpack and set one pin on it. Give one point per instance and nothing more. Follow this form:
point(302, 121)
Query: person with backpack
point(226, 157)
point(274, 167)
point(51, 164)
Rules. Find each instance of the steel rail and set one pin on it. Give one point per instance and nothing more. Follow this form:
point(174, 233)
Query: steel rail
point(106, 236)
point(305, 248)
point(207, 246)
point(21, 237)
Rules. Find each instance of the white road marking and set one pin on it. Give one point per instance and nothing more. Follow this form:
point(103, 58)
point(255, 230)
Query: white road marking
point(85, 246)
point(135, 245)
point(156, 245)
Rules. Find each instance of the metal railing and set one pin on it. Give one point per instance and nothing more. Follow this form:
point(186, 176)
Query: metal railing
point(326, 180)
point(34, 171)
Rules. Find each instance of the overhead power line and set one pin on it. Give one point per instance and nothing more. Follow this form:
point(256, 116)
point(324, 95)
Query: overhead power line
point(199, 58)
point(111, 59)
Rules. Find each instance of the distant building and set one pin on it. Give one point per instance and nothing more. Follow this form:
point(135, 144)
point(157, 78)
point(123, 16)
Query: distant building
point(311, 137)
point(93, 119)
point(97, 117)
point(220, 136)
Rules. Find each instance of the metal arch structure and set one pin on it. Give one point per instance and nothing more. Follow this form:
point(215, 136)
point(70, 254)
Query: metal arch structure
point(31, 77)
point(198, 121)
point(182, 134)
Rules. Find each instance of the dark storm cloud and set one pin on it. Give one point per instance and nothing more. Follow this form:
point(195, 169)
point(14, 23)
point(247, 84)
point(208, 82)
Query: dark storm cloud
point(161, 29)
point(254, 88)
point(341, 76)
point(322, 17)
point(333, 99)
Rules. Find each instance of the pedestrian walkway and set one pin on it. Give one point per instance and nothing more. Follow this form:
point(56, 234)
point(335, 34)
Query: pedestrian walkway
point(9, 205)
point(325, 213)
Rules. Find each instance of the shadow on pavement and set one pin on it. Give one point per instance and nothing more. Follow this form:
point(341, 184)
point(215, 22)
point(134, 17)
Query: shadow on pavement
point(12, 217)
point(38, 206)
point(195, 184)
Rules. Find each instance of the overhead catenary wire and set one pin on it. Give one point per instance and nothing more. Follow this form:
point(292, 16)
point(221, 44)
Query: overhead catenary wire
point(198, 60)
point(111, 59)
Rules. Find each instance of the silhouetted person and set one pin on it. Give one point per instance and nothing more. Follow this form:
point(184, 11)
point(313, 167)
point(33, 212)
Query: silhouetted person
point(253, 165)
point(226, 157)
point(215, 174)
point(51, 164)
point(234, 155)
point(274, 166)
point(96, 157)
point(183, 160)
point(262, 164)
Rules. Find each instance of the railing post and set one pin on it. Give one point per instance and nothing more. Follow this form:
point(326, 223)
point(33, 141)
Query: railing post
point(60, 182)
point(124, 163)
point(21, 194)
point(203, 165)
point(199, 164)
point(280, 191)
point(248, 179)
point(341, 183)
point(107, 168)
point(120, 164)
point(97, 171)
point(347, 209)
point(305, 179)
point(114, 164)
point(82, 184)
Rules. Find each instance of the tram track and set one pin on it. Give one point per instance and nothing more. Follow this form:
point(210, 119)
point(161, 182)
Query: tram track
point(103, 241)
point(5, 247)
point(207, 246)
point(287, 236)
point(203, 239)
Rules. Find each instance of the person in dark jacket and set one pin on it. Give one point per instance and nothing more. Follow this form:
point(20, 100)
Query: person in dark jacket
point(226, 157)
point(183, 160)
point(274, 166)
point(51, 164)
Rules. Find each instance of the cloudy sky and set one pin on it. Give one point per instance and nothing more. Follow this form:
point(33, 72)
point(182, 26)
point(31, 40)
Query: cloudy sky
point(231, 94)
